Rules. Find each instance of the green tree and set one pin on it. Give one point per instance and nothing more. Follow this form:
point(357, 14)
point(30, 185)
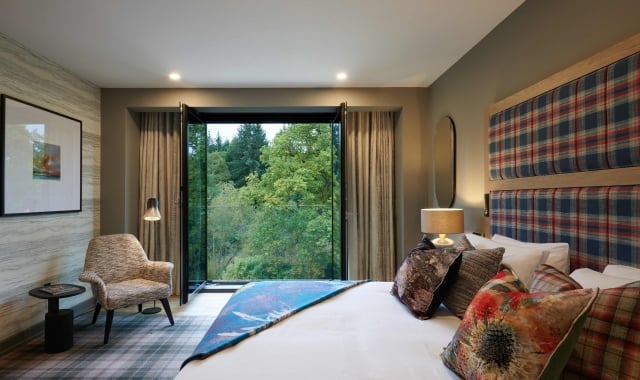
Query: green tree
point(227, 226)
point(243, 155)
point(291, 237)
point(217, 173)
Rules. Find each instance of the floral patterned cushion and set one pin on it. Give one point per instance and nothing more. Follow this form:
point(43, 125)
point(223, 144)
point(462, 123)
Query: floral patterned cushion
point(424, 277)
point(507, 333)
point(609, 344)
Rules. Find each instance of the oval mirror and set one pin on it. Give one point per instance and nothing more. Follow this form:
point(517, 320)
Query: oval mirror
point(444, 151)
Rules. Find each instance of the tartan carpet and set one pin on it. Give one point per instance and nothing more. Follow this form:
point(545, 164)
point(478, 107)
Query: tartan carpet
point(140, 347)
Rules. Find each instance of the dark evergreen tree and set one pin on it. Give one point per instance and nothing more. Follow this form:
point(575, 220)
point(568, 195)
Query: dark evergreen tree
point(243, 155)
point(217, 145)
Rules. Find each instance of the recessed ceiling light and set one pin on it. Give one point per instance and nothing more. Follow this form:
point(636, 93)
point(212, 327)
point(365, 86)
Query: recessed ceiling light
point(341, 75)
point(174, 76)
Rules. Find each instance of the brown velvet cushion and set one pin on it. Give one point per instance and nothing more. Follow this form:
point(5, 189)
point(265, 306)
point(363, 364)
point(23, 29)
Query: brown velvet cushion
point(424, 278)
point(425, 243)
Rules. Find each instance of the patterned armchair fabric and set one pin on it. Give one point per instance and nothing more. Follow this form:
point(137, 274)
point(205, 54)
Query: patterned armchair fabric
point(121, 275)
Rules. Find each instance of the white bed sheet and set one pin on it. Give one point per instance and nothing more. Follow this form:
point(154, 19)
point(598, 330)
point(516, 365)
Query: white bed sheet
point(363, 333)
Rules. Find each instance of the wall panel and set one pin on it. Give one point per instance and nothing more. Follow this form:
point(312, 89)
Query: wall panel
point(45, 248)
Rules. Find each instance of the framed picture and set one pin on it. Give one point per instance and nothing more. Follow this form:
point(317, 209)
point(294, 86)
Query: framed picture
point(41, 160)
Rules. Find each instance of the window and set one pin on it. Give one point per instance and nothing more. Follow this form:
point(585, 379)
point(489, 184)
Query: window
point(266, 200)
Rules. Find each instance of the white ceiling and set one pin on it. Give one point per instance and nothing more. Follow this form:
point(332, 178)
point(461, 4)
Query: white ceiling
point(253, 43)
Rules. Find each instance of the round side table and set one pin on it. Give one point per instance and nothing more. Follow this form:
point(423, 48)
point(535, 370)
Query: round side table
point(58, 323)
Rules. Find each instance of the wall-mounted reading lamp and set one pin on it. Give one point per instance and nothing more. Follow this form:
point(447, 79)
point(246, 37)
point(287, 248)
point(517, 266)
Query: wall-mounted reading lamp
point(486, 204)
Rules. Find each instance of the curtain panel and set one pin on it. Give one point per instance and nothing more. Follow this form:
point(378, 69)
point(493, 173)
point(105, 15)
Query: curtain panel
point(370, 196)
point(160, 178)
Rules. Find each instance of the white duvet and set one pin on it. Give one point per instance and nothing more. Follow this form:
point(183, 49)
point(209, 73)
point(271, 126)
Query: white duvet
point(363, 333)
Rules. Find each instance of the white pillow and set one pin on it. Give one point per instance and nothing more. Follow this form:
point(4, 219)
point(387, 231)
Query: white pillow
point(622, 271)
point(478, 241)
point(558, 252)
point(589, 278)
point(523, 260)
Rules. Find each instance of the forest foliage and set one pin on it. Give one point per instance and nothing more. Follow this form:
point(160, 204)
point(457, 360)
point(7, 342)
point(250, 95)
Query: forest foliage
point(271, 207)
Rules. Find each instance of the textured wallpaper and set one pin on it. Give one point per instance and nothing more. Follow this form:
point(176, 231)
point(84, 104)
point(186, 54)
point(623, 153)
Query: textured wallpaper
point(37, 249)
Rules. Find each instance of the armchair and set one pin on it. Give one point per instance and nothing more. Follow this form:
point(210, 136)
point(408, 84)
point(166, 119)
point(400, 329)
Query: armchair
point(121, 275)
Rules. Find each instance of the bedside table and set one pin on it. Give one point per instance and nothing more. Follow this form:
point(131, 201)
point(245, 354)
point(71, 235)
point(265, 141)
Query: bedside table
point(58, 324)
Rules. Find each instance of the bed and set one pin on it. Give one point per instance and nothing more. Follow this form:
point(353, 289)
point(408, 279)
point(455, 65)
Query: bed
point(355, 324)
point(563, 174)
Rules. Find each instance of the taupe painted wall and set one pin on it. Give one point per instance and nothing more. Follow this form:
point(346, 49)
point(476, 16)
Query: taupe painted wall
point(38, 249)
point(120, 155)
point(540, 38)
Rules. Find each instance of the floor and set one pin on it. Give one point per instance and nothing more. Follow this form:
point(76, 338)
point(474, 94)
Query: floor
point(89, 358)
point(201, 304)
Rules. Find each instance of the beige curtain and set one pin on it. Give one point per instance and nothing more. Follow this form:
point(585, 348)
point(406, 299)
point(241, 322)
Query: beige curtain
point(370, 195)
point(160, 178)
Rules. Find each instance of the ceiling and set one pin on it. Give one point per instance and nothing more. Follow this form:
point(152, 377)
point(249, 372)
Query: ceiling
point(253, 43)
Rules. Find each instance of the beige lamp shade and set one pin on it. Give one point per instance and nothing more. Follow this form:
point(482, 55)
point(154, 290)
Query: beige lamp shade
point(442, 221)
point(152, 212)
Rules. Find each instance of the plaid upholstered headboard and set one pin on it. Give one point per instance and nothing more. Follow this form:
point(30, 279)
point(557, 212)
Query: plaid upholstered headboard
point(564, 160)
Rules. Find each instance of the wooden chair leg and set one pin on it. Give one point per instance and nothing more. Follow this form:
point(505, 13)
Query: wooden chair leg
point(107, 326)
point(96, 311)
point(167, 309)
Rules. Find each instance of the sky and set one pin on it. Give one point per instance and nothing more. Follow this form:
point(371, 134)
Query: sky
point(229, 131)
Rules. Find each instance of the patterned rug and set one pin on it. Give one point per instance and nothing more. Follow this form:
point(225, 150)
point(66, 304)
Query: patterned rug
point(140, 347)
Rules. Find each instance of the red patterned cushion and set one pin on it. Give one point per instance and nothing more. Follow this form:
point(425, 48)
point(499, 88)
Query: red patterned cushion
point(505, 281)
point(507, 334)
point(609, 344)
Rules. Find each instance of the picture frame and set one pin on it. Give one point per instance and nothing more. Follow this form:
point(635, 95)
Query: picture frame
point(41, 152)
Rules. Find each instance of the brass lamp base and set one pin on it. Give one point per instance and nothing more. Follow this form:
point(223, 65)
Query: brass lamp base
point(442, 241)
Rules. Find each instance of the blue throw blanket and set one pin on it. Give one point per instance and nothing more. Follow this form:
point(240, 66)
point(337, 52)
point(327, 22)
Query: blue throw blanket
point(259, 305)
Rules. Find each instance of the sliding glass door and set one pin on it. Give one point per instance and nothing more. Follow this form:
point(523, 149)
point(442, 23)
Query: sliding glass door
point(194, 190)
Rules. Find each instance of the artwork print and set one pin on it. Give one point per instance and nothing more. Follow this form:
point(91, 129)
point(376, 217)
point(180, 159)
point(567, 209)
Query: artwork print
point(46, 161)
point(42, 157)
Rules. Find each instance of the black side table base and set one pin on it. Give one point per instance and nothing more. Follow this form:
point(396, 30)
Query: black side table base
point(58, 323)
point(58, 331)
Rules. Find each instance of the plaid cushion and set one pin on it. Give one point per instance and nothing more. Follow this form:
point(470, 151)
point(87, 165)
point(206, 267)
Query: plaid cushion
point(549, 279)
point(590, 123)
point(609, 344)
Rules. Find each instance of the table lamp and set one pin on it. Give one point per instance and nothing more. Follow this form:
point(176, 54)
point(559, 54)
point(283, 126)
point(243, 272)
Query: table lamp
point(442, 221)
